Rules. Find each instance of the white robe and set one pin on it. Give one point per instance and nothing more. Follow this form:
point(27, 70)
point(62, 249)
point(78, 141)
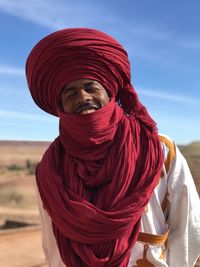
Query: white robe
point(170, 225)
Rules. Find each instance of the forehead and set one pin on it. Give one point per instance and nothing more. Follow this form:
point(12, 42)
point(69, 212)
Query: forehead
point(76, 84)
point(81, 82)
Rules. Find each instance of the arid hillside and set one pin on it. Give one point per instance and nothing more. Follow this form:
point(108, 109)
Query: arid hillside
point(19, 152)
point(20, 234)
point(18, 158)
point(192, 154)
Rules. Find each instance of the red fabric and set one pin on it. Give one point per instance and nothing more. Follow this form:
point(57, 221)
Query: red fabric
point(98, 175)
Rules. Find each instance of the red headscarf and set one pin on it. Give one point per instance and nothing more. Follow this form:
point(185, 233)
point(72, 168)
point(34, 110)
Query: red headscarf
point(96, 178)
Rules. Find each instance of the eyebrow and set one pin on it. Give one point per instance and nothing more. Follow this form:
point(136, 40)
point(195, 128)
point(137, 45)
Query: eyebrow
point(72, 88)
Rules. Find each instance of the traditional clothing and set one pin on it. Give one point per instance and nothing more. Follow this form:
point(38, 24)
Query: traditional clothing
point(97, 177)
point(170, 225)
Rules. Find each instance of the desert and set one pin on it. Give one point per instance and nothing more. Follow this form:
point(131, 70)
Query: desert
point(20, 234)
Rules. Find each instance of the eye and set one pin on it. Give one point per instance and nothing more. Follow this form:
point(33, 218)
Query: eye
point(91, 89)
point(69, 95)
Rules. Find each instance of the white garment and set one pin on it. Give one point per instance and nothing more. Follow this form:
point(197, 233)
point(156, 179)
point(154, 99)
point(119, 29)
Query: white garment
point(181, 218)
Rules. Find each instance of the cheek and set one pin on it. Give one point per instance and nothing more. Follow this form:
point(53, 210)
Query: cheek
point(105, 99)
point(66, 107)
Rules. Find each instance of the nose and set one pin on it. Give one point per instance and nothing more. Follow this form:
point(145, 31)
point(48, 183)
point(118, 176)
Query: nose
point(83, 96)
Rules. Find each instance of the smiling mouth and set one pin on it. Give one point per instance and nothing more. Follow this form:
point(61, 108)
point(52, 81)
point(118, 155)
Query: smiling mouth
point(89, 110)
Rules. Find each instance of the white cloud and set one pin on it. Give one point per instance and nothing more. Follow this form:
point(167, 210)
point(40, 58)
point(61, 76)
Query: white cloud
point(12, 114)
point(8, 70)
point(152, 32)
point(155, 43)
point(170, 97)
point(53, 14)
point(36, 11)
point(190, 44)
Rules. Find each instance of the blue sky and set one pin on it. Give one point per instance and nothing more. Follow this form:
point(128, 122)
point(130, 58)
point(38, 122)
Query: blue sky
point(161, 37)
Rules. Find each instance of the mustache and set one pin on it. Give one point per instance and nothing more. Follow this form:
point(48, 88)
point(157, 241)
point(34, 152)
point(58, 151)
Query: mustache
point(88, 105)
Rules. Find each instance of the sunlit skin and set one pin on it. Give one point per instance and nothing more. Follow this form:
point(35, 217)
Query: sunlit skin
point(83, 96)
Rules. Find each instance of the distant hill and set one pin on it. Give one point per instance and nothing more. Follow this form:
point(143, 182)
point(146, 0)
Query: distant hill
point(18, 152)
point(191, 149)
point(192, 154)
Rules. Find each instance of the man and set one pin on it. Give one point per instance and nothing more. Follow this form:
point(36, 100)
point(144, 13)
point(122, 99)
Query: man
point(112, 192)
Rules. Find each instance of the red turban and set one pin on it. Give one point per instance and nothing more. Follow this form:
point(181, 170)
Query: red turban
point(97, 176)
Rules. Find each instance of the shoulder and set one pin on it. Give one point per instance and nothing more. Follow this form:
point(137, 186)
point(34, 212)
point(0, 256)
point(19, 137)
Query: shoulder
point(169, 150)
point(53, 149)
point(176, 169)
point(51, 157)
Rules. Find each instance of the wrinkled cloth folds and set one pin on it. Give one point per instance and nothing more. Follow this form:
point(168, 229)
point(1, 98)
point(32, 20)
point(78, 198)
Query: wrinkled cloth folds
point(96, 178)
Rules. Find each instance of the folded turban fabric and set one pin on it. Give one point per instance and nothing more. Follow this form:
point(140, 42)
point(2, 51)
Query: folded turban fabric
point(98, 175)
point(71, 54)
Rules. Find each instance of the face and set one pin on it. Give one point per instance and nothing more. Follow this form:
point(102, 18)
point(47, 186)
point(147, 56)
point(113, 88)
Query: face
point(84, 96)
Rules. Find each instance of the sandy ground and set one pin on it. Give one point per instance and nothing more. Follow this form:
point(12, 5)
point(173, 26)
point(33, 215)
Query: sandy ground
point(19, 215)
point(18, 152)
point(21, 248)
